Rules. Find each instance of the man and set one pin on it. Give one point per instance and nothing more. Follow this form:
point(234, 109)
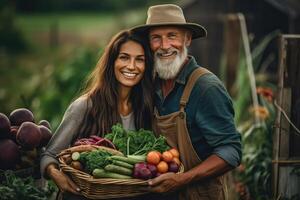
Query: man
point(193, 109)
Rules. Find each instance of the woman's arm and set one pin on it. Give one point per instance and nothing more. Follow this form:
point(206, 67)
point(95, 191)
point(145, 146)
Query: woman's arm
point(61, 140)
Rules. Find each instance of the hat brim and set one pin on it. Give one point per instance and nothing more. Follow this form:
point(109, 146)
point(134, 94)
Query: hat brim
point(197, 30)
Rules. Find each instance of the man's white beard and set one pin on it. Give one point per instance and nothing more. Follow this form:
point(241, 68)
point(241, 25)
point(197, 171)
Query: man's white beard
point(168, 69)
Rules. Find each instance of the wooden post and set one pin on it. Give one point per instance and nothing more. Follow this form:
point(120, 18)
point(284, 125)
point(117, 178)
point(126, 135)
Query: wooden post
point(285, 184)
point(232, 42)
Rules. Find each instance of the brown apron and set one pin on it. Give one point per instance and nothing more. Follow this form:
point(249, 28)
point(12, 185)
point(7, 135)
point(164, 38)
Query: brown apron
point(173, 127)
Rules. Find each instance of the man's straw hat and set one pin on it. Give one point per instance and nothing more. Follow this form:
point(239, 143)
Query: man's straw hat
point(169, 15)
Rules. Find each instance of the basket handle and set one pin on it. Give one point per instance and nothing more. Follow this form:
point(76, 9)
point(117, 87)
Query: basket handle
point(79, 148)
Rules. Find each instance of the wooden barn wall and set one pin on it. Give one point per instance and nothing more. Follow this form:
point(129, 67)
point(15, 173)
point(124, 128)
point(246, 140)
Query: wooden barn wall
point(261, 18)
point(207, 51)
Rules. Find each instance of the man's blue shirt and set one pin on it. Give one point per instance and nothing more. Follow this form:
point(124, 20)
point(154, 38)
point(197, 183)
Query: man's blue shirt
point(210, 114)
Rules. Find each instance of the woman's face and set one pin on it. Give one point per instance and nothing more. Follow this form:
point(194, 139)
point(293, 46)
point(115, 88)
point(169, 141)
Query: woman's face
point(130, 64)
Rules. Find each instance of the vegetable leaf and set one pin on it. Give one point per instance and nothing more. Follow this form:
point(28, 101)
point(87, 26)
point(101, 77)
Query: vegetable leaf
point(136, 142)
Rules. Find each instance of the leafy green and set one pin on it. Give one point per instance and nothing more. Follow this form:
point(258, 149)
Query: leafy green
point(94, 159)
point(13, 187)
point(136, 142)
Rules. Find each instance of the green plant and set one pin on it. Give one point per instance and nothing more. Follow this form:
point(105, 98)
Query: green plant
point(256, 135)
point(13, 187)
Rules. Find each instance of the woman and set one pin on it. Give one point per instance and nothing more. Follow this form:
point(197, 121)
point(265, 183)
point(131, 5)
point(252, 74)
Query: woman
point(118, 90)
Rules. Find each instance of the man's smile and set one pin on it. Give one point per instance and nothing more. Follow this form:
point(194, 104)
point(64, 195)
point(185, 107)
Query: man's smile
point(166, 55)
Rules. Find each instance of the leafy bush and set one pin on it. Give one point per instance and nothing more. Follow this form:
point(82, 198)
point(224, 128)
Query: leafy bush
point(13, 187)
point(62, 85)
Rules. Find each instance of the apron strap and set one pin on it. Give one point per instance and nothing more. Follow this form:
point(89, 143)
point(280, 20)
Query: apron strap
point(196, 74)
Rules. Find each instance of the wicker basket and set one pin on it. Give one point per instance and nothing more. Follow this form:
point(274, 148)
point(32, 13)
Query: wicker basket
point(103, 188)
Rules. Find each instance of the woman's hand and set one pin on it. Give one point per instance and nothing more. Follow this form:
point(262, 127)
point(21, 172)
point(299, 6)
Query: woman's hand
point(63, 182)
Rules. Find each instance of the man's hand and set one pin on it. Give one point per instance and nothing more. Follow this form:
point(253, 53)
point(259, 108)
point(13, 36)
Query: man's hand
point(213, 166)
point(63, 182)
point(167, 182)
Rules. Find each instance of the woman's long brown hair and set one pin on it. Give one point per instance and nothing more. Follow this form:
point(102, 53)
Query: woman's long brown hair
point(102, 90)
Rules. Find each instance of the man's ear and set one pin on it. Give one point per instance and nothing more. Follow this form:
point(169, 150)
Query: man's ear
point(188, 38)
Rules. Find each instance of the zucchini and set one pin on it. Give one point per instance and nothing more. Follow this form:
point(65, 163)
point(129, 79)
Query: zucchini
point(118, 169)
point(122, 164)
point(125, 159)
point(101, 173)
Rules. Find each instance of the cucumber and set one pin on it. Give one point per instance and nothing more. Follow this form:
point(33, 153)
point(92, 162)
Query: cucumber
point(75, 155)
point(125, 159)
point(122, 164)
point(101, 173)
point(118, 169)
point(141, 158)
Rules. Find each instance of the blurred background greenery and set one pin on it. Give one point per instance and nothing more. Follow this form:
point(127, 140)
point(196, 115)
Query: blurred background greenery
point(48, 47)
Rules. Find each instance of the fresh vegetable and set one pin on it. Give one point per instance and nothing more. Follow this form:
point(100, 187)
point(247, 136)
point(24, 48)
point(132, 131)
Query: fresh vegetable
point(136, 142)
point(45, 123)
point(29, 135)
point(20, 115)
point(153, 169)
point(4, 126)
point(9, 154)
point(118, 169)
point(173, 167)
point(168, 161)
point(125, 159)
point(167, 156)
point(75, 155)
point(144, 171)
point(46, 135)
point(101, 173)
point(174, 152)
point(95, 159)
point(122, 164)
point(95, 140)
point(153, 157)
point(77, 165)
point(140, 158)
point(162, 167)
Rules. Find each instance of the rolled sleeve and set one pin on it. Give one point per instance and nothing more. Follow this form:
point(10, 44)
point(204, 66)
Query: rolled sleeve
point(229, 154)
point(215, 119)
point(64, 134)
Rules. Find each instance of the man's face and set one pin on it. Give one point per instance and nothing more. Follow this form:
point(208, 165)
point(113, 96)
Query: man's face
point(169, 45)
point(167, 37)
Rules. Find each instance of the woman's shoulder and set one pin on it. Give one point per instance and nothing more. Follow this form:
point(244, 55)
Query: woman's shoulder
point(80, 105)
